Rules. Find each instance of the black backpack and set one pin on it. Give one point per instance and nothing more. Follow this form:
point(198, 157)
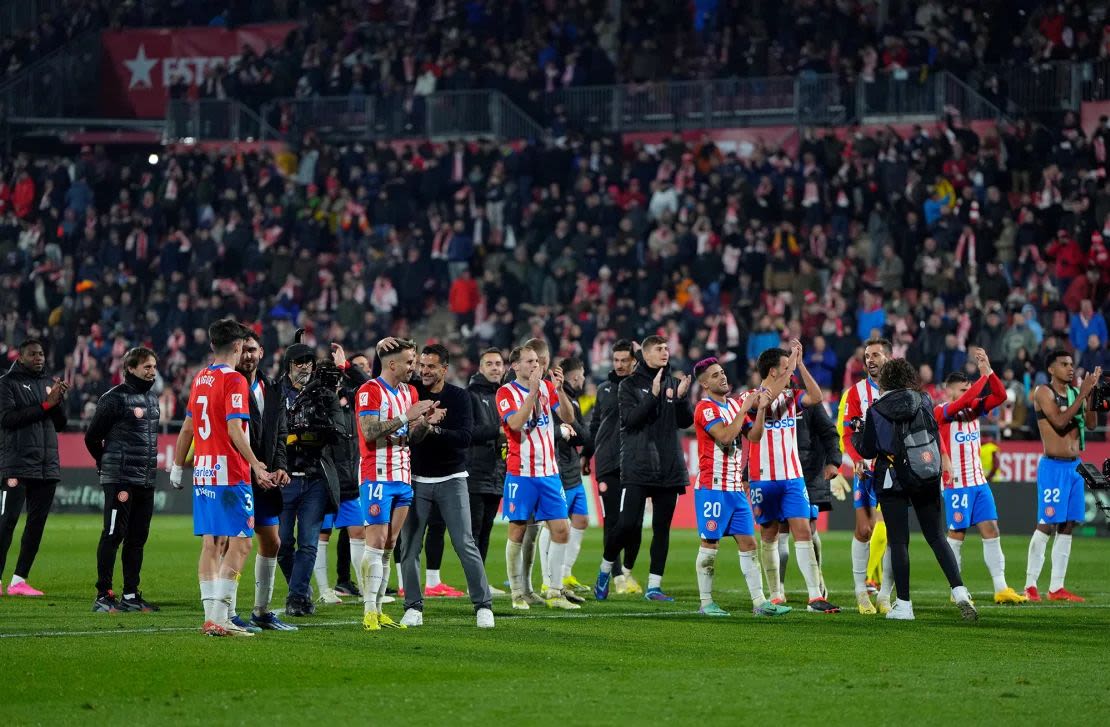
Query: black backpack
point(916, 457)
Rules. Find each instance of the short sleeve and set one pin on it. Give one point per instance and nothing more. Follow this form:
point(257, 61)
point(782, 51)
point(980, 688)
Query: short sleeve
point(369, 399)
point(707, 416)
point(237, 397)
point(506, 406)
point(799, 395)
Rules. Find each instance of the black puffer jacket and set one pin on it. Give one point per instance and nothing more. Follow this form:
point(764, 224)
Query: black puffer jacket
point(566, 451)
point(818, 445)
point(123, 434)
point(604, 442)
point(28, 433)
point(485, 463)
point(345, 451)
point(651, 454)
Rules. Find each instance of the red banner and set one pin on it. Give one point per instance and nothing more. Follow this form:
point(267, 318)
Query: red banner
point(139, 66)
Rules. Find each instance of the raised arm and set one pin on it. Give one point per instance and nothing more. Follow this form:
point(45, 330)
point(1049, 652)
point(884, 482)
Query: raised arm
point(813, 389)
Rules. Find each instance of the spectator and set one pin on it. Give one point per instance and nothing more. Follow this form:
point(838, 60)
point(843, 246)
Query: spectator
point(821, 362)
point(1084, 324)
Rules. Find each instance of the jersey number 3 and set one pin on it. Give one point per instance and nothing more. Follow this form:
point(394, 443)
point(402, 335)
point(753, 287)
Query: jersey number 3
point(205, 428)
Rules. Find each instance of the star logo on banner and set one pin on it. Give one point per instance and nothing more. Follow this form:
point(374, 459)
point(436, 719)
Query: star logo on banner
point(140, 67)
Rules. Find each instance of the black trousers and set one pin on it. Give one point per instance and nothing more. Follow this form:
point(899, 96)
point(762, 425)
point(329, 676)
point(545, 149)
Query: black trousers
point(634, 500)
point(930, 514)
point(611, 521)
point(127, 514)
point(39, 496)
point(343, 557)
point(483, 511)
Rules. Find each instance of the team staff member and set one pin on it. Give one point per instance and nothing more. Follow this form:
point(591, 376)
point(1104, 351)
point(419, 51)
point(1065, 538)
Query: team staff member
point(267, 436)
point(604, 446)
point(439, 456)
point(653, 407)
point(31, 415)
point(1063, 420)
point(484, 462)
point(123, 439)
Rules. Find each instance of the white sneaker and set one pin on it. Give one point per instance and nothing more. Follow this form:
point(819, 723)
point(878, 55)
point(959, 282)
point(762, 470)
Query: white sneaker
point(495, 591)
point(901, 611)
point(413, 617)
point(330, 597)
point(233, 630)
point(388, 599)
point(485, 618)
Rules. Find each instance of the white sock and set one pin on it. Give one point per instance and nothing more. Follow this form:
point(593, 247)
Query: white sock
point(888, 577)
point(769, 557)
point(573, 548)
point(1033, 566)
point(783, 542)
point(386, 555)
point(221, 606)
point(996, 562)
point(820, 560)
point(320, 568)
point(543, 545)
point(431, 578)
point(860, 553)
point(264, 569)
point(232, 610)
point(357, 548)
point(1061, 551)
point(606, 566)
point(807, 562)
point(16, 580)
point(753, 577)
point(556, 555)
point(514, 566)
point(655, 580)
point(372, 575)
point(705, 565)
point(960, 593)
point(956, 545)
point(208, 599)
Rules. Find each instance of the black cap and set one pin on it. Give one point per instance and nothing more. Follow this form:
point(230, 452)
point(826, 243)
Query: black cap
point(298, 351)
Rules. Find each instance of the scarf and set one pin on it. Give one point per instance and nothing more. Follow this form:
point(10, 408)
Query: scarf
point(1080, 418)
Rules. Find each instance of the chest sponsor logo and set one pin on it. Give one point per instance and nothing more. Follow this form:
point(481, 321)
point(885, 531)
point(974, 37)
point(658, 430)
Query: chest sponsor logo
point(965, 437)
point(785, 423)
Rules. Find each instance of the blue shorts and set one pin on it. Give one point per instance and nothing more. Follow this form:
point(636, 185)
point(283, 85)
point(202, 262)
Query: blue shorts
point(534, 497)
point(349, 515)
point(966, 506)
point(267, 507)
point(722, 513)
point(226, 510)
point(863, 492)
point(1060, 496)
point(774, 500)
point(576, 500)
point(378, 500)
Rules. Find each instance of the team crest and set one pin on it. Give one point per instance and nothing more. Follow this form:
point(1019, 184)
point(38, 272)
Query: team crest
point(12, 482)
point(1050, 511)
point(926, 456)
point(375, 510)
point(139, 412)
point(122, 496)
point(757, 510)
point(512, 507)
point(858, 495)
point(958, 517)
point(711, 525)
point(250, 522)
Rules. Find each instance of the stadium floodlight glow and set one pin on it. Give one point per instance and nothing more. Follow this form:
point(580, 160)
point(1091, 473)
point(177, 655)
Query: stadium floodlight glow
point(152, 159)
point(189, 140)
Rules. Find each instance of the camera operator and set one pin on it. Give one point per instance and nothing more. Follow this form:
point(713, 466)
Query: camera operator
point(268, 433)
point(351, 542)
point(604, 446)
point(123, 439)
point(32, 412)
point(1063, 420)
point(439, 479)
point(904, 414)
point(485, 462)
point(653, 407)
point(313, 488)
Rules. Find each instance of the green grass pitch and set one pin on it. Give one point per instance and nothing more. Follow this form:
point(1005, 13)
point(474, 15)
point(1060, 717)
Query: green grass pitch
point(615, 662)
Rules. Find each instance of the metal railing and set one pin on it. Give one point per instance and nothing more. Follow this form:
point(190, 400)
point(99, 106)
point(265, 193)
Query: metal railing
point(215, 119)
point(63, 83)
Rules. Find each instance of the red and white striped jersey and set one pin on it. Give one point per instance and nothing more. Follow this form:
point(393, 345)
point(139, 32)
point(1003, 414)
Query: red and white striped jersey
point(719, 467)
point(532, 449)
point(857, 400)
point(775, 456)
point(960, 437)
point(219, 395)
point(386, 459)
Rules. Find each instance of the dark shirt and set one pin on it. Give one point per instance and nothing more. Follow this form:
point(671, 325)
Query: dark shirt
point(443, 453)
